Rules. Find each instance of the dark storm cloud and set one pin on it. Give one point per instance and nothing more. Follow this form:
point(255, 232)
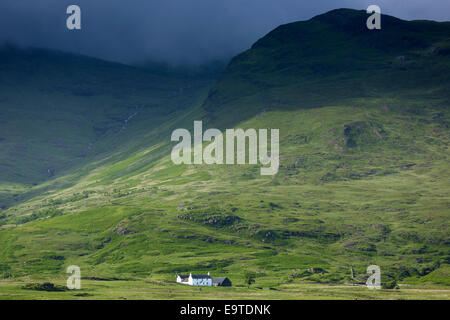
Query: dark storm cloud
point(175, 30)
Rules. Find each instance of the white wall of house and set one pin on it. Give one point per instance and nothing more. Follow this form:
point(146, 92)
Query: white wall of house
point(194, 281)
point(202, 282)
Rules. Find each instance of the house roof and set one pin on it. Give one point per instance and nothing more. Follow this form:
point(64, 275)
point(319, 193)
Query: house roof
point(201, 277)
point(182, 276)
point(219, 280)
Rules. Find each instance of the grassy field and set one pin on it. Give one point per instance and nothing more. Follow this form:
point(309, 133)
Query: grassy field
point(229, 220)
point(160, 290)
point(363, 180)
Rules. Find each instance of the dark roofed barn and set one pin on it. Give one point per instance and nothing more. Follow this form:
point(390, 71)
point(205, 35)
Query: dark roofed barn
point(221, 282)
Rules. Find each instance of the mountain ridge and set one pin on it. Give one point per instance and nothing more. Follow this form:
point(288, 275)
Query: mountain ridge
point(316, 50)
point(362, 181)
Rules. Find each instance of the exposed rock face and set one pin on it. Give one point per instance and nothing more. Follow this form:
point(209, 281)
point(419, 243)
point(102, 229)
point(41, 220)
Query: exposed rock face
point(122, 229)
point(50, 172)
point(361, 133)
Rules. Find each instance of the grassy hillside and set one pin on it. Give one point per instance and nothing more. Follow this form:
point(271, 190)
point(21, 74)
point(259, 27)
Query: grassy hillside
point(364, 138)
point(59, 112)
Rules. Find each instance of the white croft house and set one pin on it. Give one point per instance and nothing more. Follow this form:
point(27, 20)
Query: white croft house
point(202, 280)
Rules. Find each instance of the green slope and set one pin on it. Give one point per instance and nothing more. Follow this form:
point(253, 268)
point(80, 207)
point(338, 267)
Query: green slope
point(59, 112)
point(364, 137)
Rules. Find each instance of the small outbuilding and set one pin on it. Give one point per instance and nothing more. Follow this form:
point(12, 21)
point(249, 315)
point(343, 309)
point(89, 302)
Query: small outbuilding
point(221, 282)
